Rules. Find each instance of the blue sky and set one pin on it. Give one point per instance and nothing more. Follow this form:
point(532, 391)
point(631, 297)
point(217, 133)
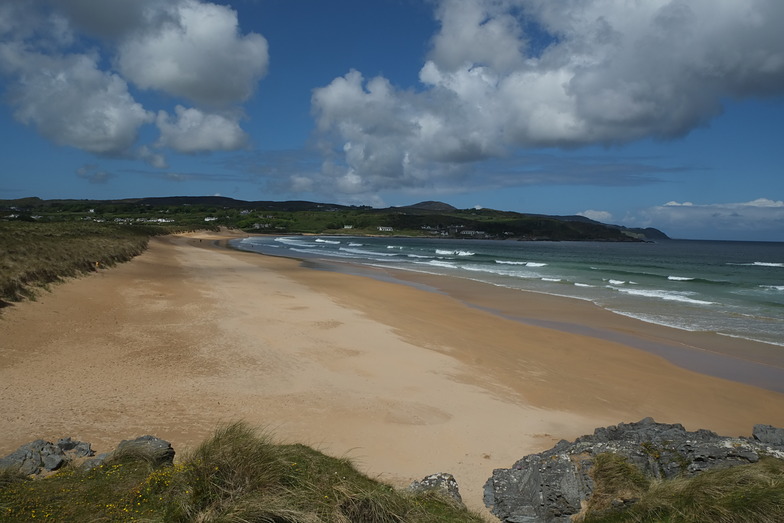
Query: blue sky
point(660, 113)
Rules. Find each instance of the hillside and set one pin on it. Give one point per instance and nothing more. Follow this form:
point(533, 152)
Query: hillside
point(301, 217)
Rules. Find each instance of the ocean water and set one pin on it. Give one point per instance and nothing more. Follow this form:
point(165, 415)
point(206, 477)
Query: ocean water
point(729, 288)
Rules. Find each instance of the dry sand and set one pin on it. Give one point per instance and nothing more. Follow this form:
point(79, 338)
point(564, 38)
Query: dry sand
point(403, 381)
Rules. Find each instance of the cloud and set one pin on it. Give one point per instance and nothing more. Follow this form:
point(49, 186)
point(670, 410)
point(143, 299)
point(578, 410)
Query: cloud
point(70, 66)
point(194, 131)
point(151, 157)
point(93, 174)
point(507, 74)
point(194, 50)
point(760, 218)
point(599, 216)
point(70, 101)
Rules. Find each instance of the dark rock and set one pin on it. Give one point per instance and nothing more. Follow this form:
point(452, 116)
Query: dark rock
point(52, 462)
point(442, 482)
point(769, 435)
point(97, 461)
point(159, 452)
point(39, 455)
point(555, 484)
point(75, 448)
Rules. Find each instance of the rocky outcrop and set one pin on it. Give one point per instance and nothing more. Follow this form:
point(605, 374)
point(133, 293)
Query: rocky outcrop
point(554, 485)
point(442, 482)
point(40, 457)
point(768, 435)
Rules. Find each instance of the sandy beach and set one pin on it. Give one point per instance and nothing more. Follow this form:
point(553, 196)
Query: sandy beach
point(403, 381)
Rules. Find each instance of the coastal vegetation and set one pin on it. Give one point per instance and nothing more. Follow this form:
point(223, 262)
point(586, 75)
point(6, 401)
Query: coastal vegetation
point(429, 219)
point(742, 494)
point(36, 254)
point(238, 475)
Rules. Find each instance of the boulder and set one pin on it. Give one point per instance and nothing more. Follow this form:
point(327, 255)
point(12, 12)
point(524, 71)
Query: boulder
point(159, 452)
point(769, 435)
point(554, 485)
point(41, 456)
point(441, 482)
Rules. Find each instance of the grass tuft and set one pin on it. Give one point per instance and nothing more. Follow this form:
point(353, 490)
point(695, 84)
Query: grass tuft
point(227, 471)
point(616, 482)
point(751, 493)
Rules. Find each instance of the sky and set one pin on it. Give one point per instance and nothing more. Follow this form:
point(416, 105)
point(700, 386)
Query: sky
point(644, 113)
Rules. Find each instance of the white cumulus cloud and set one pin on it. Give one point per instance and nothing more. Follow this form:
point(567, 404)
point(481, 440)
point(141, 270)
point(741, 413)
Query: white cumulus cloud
point(69, 68)
point(70, 101)
point(194, 131)
point(504, 74)
point(194, 50)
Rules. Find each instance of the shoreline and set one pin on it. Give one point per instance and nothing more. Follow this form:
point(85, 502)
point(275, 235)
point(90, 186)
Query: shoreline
point(745, 361)
point(405, 382)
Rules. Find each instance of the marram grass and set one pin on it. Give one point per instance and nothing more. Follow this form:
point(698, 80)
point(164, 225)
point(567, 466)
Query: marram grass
point(238, 475)
point(34, 255)
point(752, 493)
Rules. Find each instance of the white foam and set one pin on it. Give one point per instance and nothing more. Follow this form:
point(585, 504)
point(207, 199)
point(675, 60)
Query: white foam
point(760, 264)
point(663, 295)
point(438, 263)
point(656, 321)
point(552, 279)
point(294, 241)
point(679, 278)
point(773, 287)
point(750, 339)
point(454, 253)
point(616, 282)
point(490, 269)
point(319, 240)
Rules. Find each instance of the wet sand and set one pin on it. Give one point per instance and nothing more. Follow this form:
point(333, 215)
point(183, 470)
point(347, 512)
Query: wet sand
point(404, 381)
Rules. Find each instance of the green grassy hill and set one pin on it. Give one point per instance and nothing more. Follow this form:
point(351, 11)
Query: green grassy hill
point(432, 219)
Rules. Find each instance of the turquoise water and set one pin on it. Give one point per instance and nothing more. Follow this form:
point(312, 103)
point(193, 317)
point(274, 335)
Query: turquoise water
point(729, 288)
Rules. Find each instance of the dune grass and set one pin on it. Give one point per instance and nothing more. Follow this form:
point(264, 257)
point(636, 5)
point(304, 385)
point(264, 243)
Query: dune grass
point(34, 255)
point(238, 475)
point(751, 493)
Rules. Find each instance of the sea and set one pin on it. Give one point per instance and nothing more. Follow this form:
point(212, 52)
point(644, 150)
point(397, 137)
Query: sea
point(729, 288)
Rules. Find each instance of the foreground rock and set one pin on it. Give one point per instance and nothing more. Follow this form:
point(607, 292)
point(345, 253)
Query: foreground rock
point(41, 457)
point(442, 482)
point(554, 485)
